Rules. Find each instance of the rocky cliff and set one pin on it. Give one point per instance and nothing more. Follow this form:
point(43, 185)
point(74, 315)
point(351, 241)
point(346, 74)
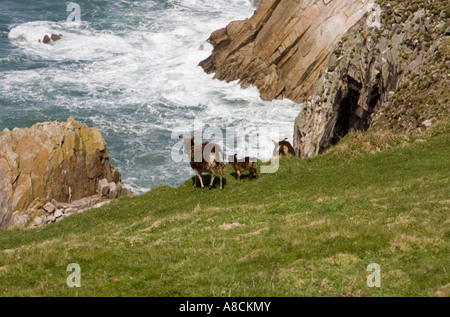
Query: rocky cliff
point(352, 69)
point(370, 67)
point(59, 161)
point(283, 46)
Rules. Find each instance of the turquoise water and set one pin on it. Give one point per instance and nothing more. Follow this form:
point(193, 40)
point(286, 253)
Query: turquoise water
point(130, 68)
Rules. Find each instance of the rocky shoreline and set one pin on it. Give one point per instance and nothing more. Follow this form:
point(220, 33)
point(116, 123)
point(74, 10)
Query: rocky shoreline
point(44, 212)
point(52, 170)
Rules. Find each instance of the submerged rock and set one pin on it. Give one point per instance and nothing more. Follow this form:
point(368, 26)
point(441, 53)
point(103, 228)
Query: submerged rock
point(48, 39)
point(52, 161)
point(56, 37)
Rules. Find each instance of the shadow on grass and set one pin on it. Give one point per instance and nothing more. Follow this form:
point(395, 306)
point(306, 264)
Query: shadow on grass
point(207, 180)
point(243, 176)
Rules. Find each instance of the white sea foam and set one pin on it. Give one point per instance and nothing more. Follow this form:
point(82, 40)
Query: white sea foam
point(141, 83)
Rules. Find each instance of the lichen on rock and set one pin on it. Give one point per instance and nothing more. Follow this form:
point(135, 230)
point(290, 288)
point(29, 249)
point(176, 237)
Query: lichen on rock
point(365, 70)
point(61, 161)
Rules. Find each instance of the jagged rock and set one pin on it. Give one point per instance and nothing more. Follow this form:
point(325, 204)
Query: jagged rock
point(46, 39)
point(84, 203)
point(49, 207)
point(103, 187)
point(38, 221)
point(367, 72)
point(53, 37)
point(19, 220)
point(58, 213)
point(112, 194)
point(51, 160)
point(56, 37)
point(296, 49)
point(70, 211)
point(57, 204)
point(283, 46)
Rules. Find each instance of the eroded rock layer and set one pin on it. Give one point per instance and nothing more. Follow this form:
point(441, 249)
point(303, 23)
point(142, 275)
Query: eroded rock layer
point(283, 46)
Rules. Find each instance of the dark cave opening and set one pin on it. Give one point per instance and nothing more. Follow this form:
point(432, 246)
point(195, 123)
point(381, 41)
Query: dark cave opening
point(350, 112)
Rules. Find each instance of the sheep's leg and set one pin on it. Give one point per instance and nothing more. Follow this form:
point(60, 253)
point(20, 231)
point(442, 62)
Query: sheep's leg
point(221, 174)
point(195, 181)
point(201, 180)
point(213, 175)
point(250, 176)
point(238, 174)
point(253, 173)
point(199, 175)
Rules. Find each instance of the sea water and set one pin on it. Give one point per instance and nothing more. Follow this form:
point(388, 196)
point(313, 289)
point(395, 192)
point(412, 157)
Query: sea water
point(130, 68)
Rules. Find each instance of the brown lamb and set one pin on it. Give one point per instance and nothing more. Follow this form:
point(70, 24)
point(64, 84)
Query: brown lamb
point(241, 165)
point(206, 157)
point(283, 148)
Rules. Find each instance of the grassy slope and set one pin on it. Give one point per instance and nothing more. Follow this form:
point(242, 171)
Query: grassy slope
point(310, 229)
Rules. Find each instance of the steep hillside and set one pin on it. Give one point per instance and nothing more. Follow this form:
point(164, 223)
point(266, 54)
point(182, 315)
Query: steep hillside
point(311, 229)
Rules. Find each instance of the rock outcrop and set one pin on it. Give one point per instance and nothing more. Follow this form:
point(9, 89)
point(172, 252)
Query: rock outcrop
point(353, 64)
point(283, 46)
point(52, 38)
point(365, 70)
point(51, 161)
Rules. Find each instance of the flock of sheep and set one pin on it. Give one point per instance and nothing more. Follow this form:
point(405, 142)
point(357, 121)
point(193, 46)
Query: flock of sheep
point(208, 158)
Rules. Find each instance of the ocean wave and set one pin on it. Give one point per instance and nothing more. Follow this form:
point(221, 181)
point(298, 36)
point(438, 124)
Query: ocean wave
point(138, 80)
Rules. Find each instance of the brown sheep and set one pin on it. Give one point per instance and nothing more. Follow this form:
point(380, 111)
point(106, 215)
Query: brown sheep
point(283, 148)
point(241, 165)
point(206, 157)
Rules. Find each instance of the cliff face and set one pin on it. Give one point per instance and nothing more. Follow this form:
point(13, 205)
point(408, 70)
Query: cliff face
point(50, 161)
point(359, 84)
point(348, 73)
point(283, 46)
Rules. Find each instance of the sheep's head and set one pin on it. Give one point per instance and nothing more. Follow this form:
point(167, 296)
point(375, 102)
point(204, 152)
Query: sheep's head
point(188, 143)
point(232, 159)
point(278, 145)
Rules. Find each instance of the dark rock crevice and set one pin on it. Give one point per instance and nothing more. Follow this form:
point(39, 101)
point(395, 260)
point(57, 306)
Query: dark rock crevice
point(350, 113)
point(368, 66)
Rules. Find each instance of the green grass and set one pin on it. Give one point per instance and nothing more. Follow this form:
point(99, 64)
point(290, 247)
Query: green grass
point(311, 229)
